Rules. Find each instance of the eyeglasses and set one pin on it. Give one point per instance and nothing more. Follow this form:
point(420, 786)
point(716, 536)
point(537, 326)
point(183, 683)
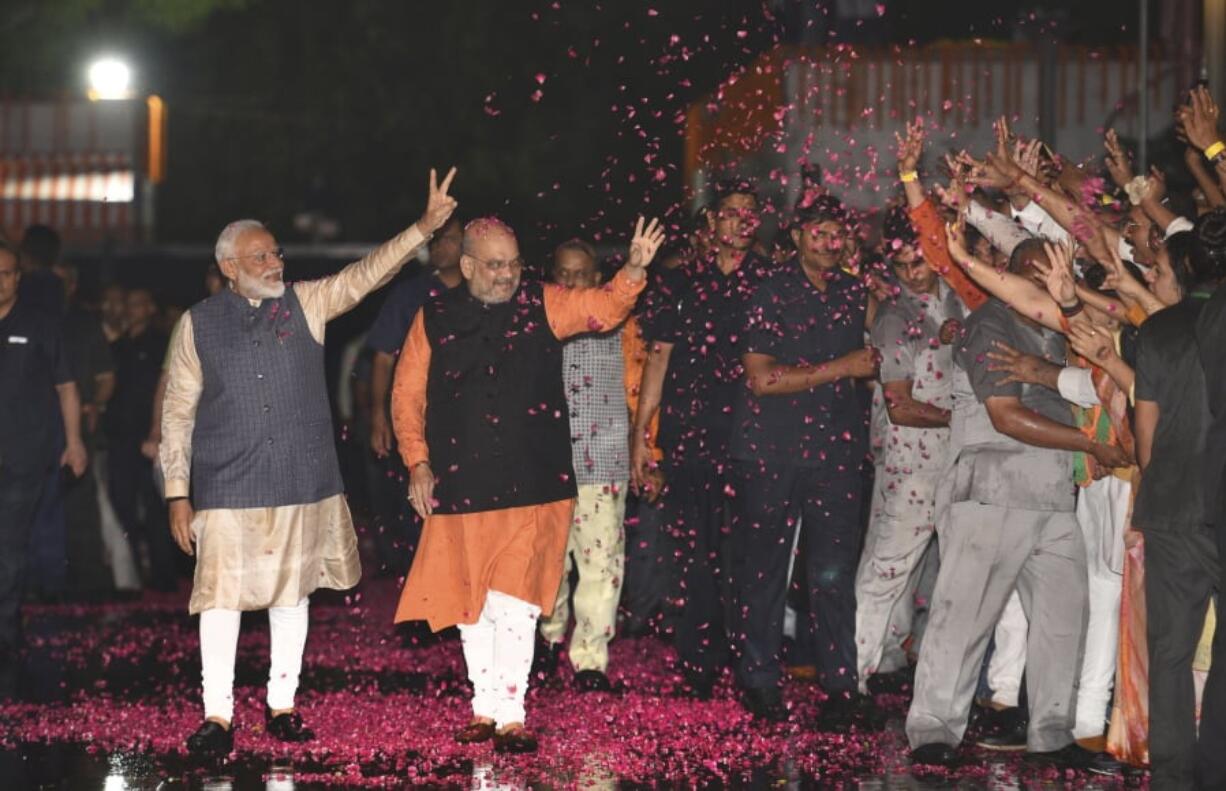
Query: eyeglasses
point(514, 265)
point(262, 257)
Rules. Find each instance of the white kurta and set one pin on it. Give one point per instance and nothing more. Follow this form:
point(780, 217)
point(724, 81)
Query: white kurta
point(255, 558)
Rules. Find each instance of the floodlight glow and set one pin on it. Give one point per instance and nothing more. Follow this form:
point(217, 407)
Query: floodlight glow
point(110, 78)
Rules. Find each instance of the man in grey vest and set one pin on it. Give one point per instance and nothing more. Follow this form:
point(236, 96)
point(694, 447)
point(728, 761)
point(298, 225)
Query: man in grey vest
point(593, 366)
point(250, 465)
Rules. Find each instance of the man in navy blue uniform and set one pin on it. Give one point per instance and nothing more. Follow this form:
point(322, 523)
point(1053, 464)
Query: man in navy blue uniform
point(693, 327)
point(798, 443)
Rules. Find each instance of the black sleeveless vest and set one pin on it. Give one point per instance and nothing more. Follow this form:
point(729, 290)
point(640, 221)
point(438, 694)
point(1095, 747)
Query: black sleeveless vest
point(497, 424)
point(263, 434)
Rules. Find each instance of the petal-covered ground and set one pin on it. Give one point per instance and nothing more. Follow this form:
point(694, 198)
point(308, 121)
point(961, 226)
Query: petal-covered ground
point(114, 690)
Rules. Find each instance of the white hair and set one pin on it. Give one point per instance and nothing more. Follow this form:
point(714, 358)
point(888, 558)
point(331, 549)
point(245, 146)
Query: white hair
point(229, 235)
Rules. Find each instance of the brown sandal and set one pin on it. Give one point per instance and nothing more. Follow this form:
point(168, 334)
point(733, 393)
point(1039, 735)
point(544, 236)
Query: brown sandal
point(475, 732)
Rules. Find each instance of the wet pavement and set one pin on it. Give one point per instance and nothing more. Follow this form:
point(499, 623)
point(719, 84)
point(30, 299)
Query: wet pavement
point(110, 691)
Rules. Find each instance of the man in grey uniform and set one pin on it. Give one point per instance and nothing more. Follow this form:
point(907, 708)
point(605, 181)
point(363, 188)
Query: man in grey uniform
point(1006, 520)
point(910, 440)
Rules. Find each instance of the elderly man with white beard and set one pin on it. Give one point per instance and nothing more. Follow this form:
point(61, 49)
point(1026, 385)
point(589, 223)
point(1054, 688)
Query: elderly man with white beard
point(250, 463)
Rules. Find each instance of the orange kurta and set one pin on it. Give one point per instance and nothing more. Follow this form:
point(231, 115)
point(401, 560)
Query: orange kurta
point(517, 551)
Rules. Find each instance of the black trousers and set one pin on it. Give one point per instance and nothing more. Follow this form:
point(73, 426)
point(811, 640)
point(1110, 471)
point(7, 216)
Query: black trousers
point(18, 500)
point(396, 528)
point(141, 511)
point(88, 572)
point(770, 499)
point(649, 567)
point(1182, 570)
point(694, 513)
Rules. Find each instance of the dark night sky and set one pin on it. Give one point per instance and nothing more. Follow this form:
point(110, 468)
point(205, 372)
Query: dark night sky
point(282, 105)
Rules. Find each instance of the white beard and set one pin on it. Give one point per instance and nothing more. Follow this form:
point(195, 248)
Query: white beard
point(258, 287)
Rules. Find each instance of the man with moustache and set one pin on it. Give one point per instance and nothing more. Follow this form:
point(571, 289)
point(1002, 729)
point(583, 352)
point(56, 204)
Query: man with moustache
point(480, 414)
point(799, 440)
point(693, 328)
point(247, 436)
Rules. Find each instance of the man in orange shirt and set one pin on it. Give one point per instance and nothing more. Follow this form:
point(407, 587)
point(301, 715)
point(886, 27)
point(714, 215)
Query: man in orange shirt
point(480, 413)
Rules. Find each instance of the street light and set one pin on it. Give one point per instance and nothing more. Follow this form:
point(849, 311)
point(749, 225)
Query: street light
point(109, 78)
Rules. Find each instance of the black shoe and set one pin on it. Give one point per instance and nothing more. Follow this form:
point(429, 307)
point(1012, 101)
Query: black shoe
point(765, 703)
point(846, 710)
point(698, 685)
point(1105, 764)
point(896, 683)
point(287, 727)
point(545, 660)
point(516, 740)
point(211, 741)
point(592, 681)
point(1070, 756)
point(1002, 730)
point(935, 754)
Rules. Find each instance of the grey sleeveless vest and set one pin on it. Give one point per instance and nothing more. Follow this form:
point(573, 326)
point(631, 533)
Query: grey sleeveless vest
point(263, 434)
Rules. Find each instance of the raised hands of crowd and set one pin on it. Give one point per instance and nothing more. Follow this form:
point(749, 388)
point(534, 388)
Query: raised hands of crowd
point(1058, 275)
point(910, 146)
point(954, 196)
point(1198, 118)
point(1095, 344)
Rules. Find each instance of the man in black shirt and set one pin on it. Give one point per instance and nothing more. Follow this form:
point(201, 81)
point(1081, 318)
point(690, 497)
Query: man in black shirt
point(42, 414)
point(693, 327)
point(1173, 510)
point(40, 288)
point(93, 370)
point(397, 535)
point(798, 442)
point(138, 365)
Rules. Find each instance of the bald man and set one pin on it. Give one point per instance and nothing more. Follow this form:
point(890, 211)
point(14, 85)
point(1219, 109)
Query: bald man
point(480, 415)
point(250, 463)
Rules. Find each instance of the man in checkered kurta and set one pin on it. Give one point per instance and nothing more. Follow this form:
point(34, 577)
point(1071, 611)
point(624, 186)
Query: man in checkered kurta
point(599, 432)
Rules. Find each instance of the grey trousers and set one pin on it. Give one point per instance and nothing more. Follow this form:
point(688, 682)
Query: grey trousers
point(986, 551)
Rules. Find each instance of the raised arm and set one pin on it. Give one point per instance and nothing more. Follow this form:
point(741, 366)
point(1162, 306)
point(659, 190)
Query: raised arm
point(572, 311)
point(926, 220)
point(1199, 121)
point(326, 298)
point(1019, 293)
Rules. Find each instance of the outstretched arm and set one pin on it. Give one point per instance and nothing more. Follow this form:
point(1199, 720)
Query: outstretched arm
point(926, 221)
point(1019, 293)
point(325, 299)
point(572, 311)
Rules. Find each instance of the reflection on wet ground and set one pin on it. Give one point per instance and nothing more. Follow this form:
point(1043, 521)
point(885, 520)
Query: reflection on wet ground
point(110, 692)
